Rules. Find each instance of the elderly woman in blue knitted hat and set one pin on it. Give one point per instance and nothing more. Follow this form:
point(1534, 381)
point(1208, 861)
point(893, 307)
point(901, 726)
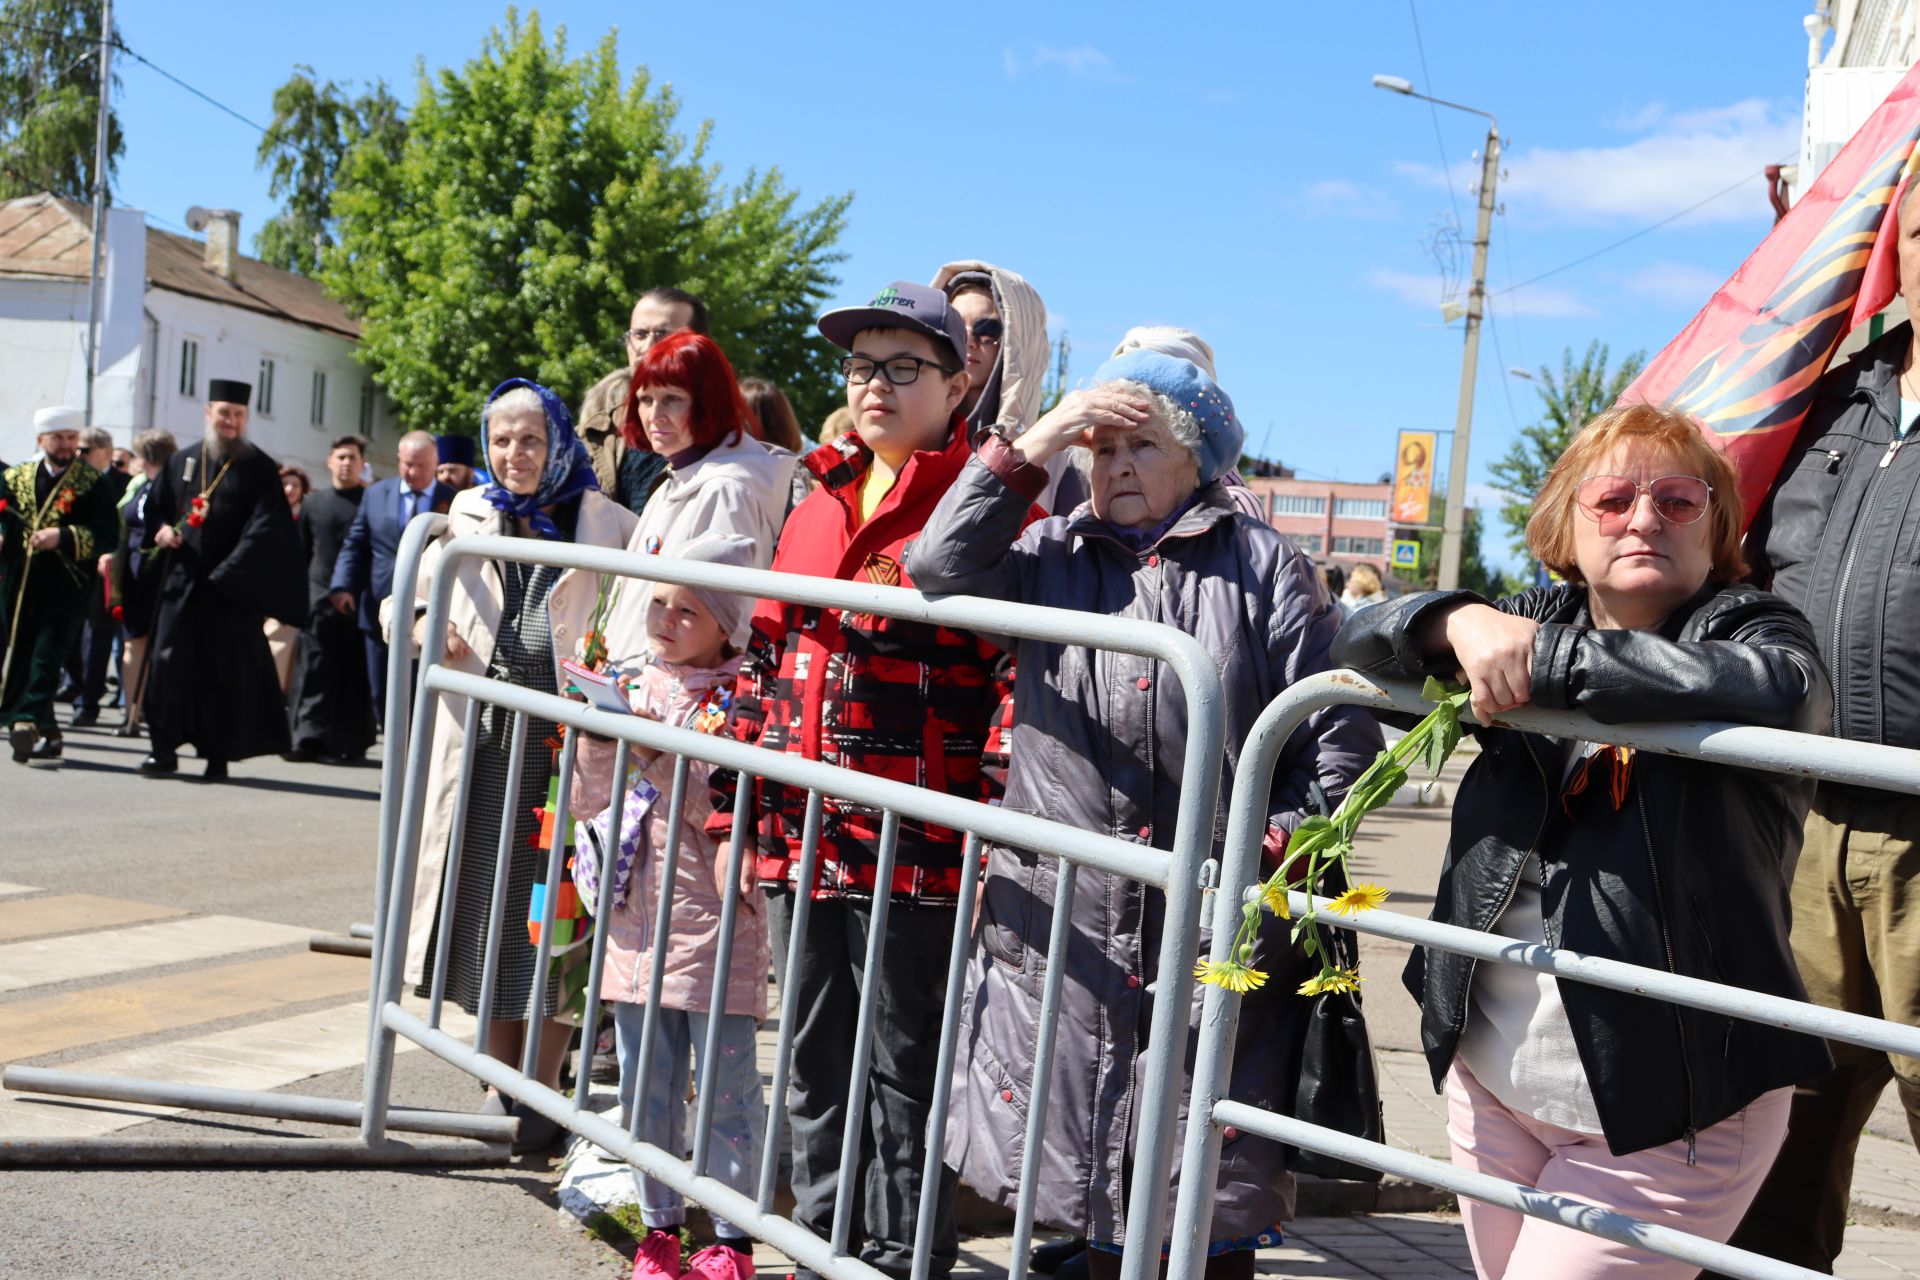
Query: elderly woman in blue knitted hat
point(1098, 742)
point(507, 622)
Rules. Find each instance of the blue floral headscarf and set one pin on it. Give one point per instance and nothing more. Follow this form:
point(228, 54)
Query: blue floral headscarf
point(569, 470)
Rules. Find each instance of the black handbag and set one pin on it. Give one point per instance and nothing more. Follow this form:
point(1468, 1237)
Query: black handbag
point(1339, 1084)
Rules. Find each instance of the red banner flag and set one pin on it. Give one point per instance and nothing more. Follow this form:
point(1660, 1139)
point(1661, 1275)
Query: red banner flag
point(1747, 365)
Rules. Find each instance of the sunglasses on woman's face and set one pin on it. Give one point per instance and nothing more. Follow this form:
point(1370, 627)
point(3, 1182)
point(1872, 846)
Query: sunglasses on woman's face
point(1609, 501)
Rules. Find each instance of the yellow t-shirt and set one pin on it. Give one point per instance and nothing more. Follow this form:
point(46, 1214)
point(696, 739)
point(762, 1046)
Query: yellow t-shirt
point(874, 488)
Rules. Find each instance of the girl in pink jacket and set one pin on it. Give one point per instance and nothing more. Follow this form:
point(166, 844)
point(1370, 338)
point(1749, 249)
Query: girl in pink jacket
point(694, 637)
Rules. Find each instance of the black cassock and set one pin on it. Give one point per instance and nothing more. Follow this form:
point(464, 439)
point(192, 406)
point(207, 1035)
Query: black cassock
point(332, 701)
point(212, 682)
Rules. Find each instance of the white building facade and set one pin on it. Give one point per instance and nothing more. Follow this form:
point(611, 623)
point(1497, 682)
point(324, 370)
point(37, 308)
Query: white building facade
point(175, 313)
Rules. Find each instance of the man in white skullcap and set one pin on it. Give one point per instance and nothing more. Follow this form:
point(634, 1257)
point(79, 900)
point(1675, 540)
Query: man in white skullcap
point(56, 519)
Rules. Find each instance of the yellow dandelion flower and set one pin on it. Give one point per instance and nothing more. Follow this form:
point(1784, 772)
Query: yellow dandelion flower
point(1362, 897)
point(1230, 974)
point(1332, 981)
point(1275, 896)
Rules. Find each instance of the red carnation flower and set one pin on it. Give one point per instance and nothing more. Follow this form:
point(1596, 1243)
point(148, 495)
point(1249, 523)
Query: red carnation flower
point(195, 520)
point(199, 503)
point(119, 613)
point(3, 504)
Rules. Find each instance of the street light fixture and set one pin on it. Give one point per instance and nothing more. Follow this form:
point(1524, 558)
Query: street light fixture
point(1515, 371)
point(1454, 522)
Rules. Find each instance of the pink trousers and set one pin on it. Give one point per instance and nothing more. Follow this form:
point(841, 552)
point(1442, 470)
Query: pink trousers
point(1707, 1199)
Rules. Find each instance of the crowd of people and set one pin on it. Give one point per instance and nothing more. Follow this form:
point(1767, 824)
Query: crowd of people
point(1124, 498)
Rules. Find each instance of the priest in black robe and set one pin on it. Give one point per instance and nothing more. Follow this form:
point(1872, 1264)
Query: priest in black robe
point(331, 696)
point(232, 560)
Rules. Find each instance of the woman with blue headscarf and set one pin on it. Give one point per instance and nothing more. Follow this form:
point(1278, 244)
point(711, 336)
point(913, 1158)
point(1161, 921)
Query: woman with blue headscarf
point(507, 622)
point(1098, 741)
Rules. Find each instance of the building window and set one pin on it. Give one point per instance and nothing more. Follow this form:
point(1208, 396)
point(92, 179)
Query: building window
point(317, 412)
point(366, 409)
point(190, 368)
point(1345, 546)
point(1307, 542)
point(1360, 508)
point(1298, 504)
point(263, 395)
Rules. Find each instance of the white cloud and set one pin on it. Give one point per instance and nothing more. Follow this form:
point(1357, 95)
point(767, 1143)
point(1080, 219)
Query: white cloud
point(1078, 62)
point(1339, 198)
point(1675, 282)
point(1679, 159)
point(1424, 291)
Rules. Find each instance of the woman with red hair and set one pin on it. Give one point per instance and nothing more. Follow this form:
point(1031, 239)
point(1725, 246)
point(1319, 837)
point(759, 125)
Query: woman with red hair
point(685, 407)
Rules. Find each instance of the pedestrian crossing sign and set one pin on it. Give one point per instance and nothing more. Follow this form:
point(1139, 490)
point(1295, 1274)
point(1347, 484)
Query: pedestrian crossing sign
point(1406, 554)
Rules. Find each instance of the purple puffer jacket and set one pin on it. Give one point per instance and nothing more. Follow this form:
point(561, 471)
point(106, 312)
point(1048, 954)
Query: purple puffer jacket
point(1098, 743)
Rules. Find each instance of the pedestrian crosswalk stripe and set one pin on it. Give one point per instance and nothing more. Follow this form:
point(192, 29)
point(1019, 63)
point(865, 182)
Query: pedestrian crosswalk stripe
point(9, 890)
point(266, 1055)
point(72, 912)
point(43, 961)
point(50, 1024)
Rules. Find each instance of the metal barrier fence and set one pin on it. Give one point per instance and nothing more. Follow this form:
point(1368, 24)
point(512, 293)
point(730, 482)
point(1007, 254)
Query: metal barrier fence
point(1888, 768)
point(1178, 873)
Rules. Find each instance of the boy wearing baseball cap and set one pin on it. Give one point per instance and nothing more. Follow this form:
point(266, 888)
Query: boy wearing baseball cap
point(894, 699)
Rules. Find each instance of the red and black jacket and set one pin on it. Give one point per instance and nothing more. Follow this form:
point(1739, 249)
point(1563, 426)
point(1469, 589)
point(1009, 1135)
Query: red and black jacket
point(889, 698)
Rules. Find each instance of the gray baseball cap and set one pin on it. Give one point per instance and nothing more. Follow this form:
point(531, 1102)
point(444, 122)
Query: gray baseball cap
point(901, 305)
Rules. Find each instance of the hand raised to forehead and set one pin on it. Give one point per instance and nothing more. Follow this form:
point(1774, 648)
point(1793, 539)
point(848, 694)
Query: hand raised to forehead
point(1073, 420)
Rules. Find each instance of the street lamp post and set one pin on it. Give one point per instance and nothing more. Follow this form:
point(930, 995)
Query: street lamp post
point(1454, 522)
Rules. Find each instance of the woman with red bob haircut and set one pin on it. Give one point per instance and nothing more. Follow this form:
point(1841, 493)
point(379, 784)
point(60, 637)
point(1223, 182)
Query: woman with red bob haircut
point(685, 407)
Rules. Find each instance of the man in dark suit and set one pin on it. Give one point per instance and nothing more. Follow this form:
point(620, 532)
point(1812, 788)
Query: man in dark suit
point(93, 653)
point(330, 700)
point(363, 575)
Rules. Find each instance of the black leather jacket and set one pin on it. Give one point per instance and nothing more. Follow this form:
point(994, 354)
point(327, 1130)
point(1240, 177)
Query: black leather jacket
point(1839, 537)
point(1690, 874)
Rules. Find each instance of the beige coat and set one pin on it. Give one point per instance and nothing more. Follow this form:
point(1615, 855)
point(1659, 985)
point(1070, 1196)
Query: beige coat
point(474, 615)
point(598, 425)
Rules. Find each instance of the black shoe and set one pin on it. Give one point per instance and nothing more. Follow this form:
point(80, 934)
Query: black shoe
point(357, 758)
point(1048, 1258)
point(301, 755)
point(83, 719)
point(216, 771)
point(48, 752)
point(22, 738)
point(537, 1133)
point(159, 763)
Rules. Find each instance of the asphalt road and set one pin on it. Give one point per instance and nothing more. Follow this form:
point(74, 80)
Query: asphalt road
point(292, 844)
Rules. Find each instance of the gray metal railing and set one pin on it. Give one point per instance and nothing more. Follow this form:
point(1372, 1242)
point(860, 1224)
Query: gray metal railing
point(1739, 746)
point(1177, 873)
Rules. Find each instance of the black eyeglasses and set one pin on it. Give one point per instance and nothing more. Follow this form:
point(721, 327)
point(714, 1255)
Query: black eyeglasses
point(900, 371)
point(634, 336)
point(987, 331)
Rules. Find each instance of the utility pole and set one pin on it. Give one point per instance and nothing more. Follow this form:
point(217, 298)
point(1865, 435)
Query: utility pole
point(105, 105)
point(1453, 524)
point(1455, 520)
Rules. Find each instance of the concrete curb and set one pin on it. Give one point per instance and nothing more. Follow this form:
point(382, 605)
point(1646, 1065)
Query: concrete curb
point(1340, 1198)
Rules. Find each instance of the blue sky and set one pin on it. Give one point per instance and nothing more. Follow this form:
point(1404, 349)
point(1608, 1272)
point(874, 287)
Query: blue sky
point(1223, 167)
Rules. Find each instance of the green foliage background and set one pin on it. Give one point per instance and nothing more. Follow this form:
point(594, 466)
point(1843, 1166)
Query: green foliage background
point(49, 99)
point(534, 197)
point(1567, 401)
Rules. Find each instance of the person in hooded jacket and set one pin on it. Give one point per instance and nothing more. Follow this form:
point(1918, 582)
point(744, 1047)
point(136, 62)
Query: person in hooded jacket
point(1101, 745)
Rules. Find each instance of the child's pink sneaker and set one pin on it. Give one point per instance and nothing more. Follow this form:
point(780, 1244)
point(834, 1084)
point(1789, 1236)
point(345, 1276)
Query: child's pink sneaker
point(717, 1262)
point(659, 1257)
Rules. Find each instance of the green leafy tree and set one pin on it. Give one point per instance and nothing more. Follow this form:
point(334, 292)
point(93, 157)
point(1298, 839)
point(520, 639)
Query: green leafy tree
point(535, 196)
point(1567, 402)
point(314, 127)
point(49, 98)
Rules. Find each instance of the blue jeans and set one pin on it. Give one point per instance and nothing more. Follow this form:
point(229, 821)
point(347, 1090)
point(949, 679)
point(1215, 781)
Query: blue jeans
point(739, 1110)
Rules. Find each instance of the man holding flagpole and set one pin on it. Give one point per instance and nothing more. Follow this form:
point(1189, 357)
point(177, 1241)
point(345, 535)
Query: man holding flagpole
point(232, 559)
point(1839, 537)
point(56, 518)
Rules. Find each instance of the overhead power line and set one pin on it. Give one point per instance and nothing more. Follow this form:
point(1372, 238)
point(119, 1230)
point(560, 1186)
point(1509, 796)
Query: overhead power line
point(1629, 239)
point(205, 97)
